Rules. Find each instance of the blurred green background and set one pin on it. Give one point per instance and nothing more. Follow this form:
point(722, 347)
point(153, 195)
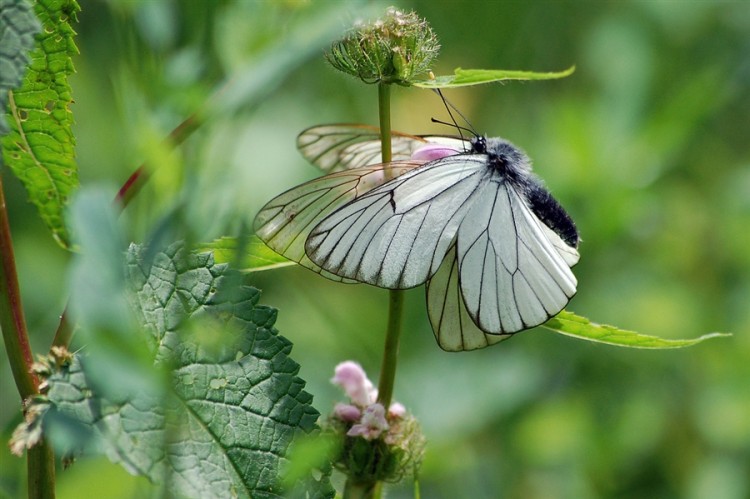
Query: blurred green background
point(646, 145)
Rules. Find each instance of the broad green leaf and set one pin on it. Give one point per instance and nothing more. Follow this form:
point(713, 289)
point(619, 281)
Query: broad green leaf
point(231, 403)
point(18, 25)
point(466, 77)
point(40, 148)
point(255, 255)
point(573, 325)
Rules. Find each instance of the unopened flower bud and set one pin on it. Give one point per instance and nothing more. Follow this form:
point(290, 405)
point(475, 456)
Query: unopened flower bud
point(393, 49)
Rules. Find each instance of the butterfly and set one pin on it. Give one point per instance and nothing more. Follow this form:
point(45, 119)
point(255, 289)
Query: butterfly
point(466, 217)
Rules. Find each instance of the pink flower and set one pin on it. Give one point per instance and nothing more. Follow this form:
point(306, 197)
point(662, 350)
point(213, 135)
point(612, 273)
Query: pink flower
point(397, 410)
point(347, 412)
point(431, 152)
point(373, 423)
point(352, 378)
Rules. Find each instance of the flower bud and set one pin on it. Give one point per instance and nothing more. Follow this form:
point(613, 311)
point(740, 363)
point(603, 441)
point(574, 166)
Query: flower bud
point(394, 49)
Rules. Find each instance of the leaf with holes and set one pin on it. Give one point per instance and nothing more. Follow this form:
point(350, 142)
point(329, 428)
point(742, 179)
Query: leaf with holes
point(40, 147)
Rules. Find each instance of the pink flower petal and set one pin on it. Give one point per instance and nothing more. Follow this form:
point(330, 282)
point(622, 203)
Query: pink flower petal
point(373, 423)
point(431, 152)
point(347, 412)
point(352, 378)
point(397, 410)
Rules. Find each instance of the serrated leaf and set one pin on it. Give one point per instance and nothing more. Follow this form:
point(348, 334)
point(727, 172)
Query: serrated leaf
point(40, 148)
point(255, 255)
point(18, 25)
point(234, 401)
point(570, 324)
point(466, 77)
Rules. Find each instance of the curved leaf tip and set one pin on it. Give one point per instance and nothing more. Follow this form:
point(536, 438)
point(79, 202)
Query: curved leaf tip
point(570, 324)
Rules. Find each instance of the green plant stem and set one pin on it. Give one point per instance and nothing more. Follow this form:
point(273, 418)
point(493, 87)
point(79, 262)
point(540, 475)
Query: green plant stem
point(40, 465)
point(40, 460)
point(396, 298)
point(358, 490)
point(12, 320)
point(390, 351)
point(384, 115)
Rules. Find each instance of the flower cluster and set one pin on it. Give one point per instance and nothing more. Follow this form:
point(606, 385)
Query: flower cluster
point(393, 49)
point(367, 415)
point(376, 444)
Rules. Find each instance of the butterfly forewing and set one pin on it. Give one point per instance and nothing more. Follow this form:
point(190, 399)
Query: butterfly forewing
point(396, 235)
point(512, 275)
point(285, 222)
point(345, 146)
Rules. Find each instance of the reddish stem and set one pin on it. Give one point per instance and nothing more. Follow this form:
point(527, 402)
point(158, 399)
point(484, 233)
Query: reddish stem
point(12, 321)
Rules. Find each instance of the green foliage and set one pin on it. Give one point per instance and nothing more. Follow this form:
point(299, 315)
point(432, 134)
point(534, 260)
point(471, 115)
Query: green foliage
point(18, 25)
point(211, 407)
point(250, 255)
point(40, 147)
point(467, 77)
point(569, 324)
point(646, 148)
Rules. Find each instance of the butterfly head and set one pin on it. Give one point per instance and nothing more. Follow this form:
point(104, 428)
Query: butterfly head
point(502, 156)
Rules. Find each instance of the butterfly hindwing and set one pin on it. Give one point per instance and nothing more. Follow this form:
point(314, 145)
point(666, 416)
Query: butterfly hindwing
point(512, 274)
point(452, 325)
point(345, 146)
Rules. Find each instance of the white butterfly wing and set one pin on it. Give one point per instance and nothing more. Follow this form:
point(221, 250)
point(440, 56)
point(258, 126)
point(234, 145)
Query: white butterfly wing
point(452, 325)
point(567, 252)
point(285, 222)
point(345, 146)
point(396, 236)
point(514, 271)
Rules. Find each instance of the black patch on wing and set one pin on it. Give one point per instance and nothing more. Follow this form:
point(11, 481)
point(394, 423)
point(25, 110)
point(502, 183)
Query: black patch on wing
point(551, 213)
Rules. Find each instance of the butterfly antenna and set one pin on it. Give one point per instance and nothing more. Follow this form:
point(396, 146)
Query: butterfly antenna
point(448, 106)
point(454, 125)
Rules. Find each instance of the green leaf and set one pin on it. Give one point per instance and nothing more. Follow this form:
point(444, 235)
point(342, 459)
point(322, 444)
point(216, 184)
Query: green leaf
point(233, 402)
point(40, 148)
point(569, 324)
point(254, 254)
point(18, 25)
point(466, 77)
